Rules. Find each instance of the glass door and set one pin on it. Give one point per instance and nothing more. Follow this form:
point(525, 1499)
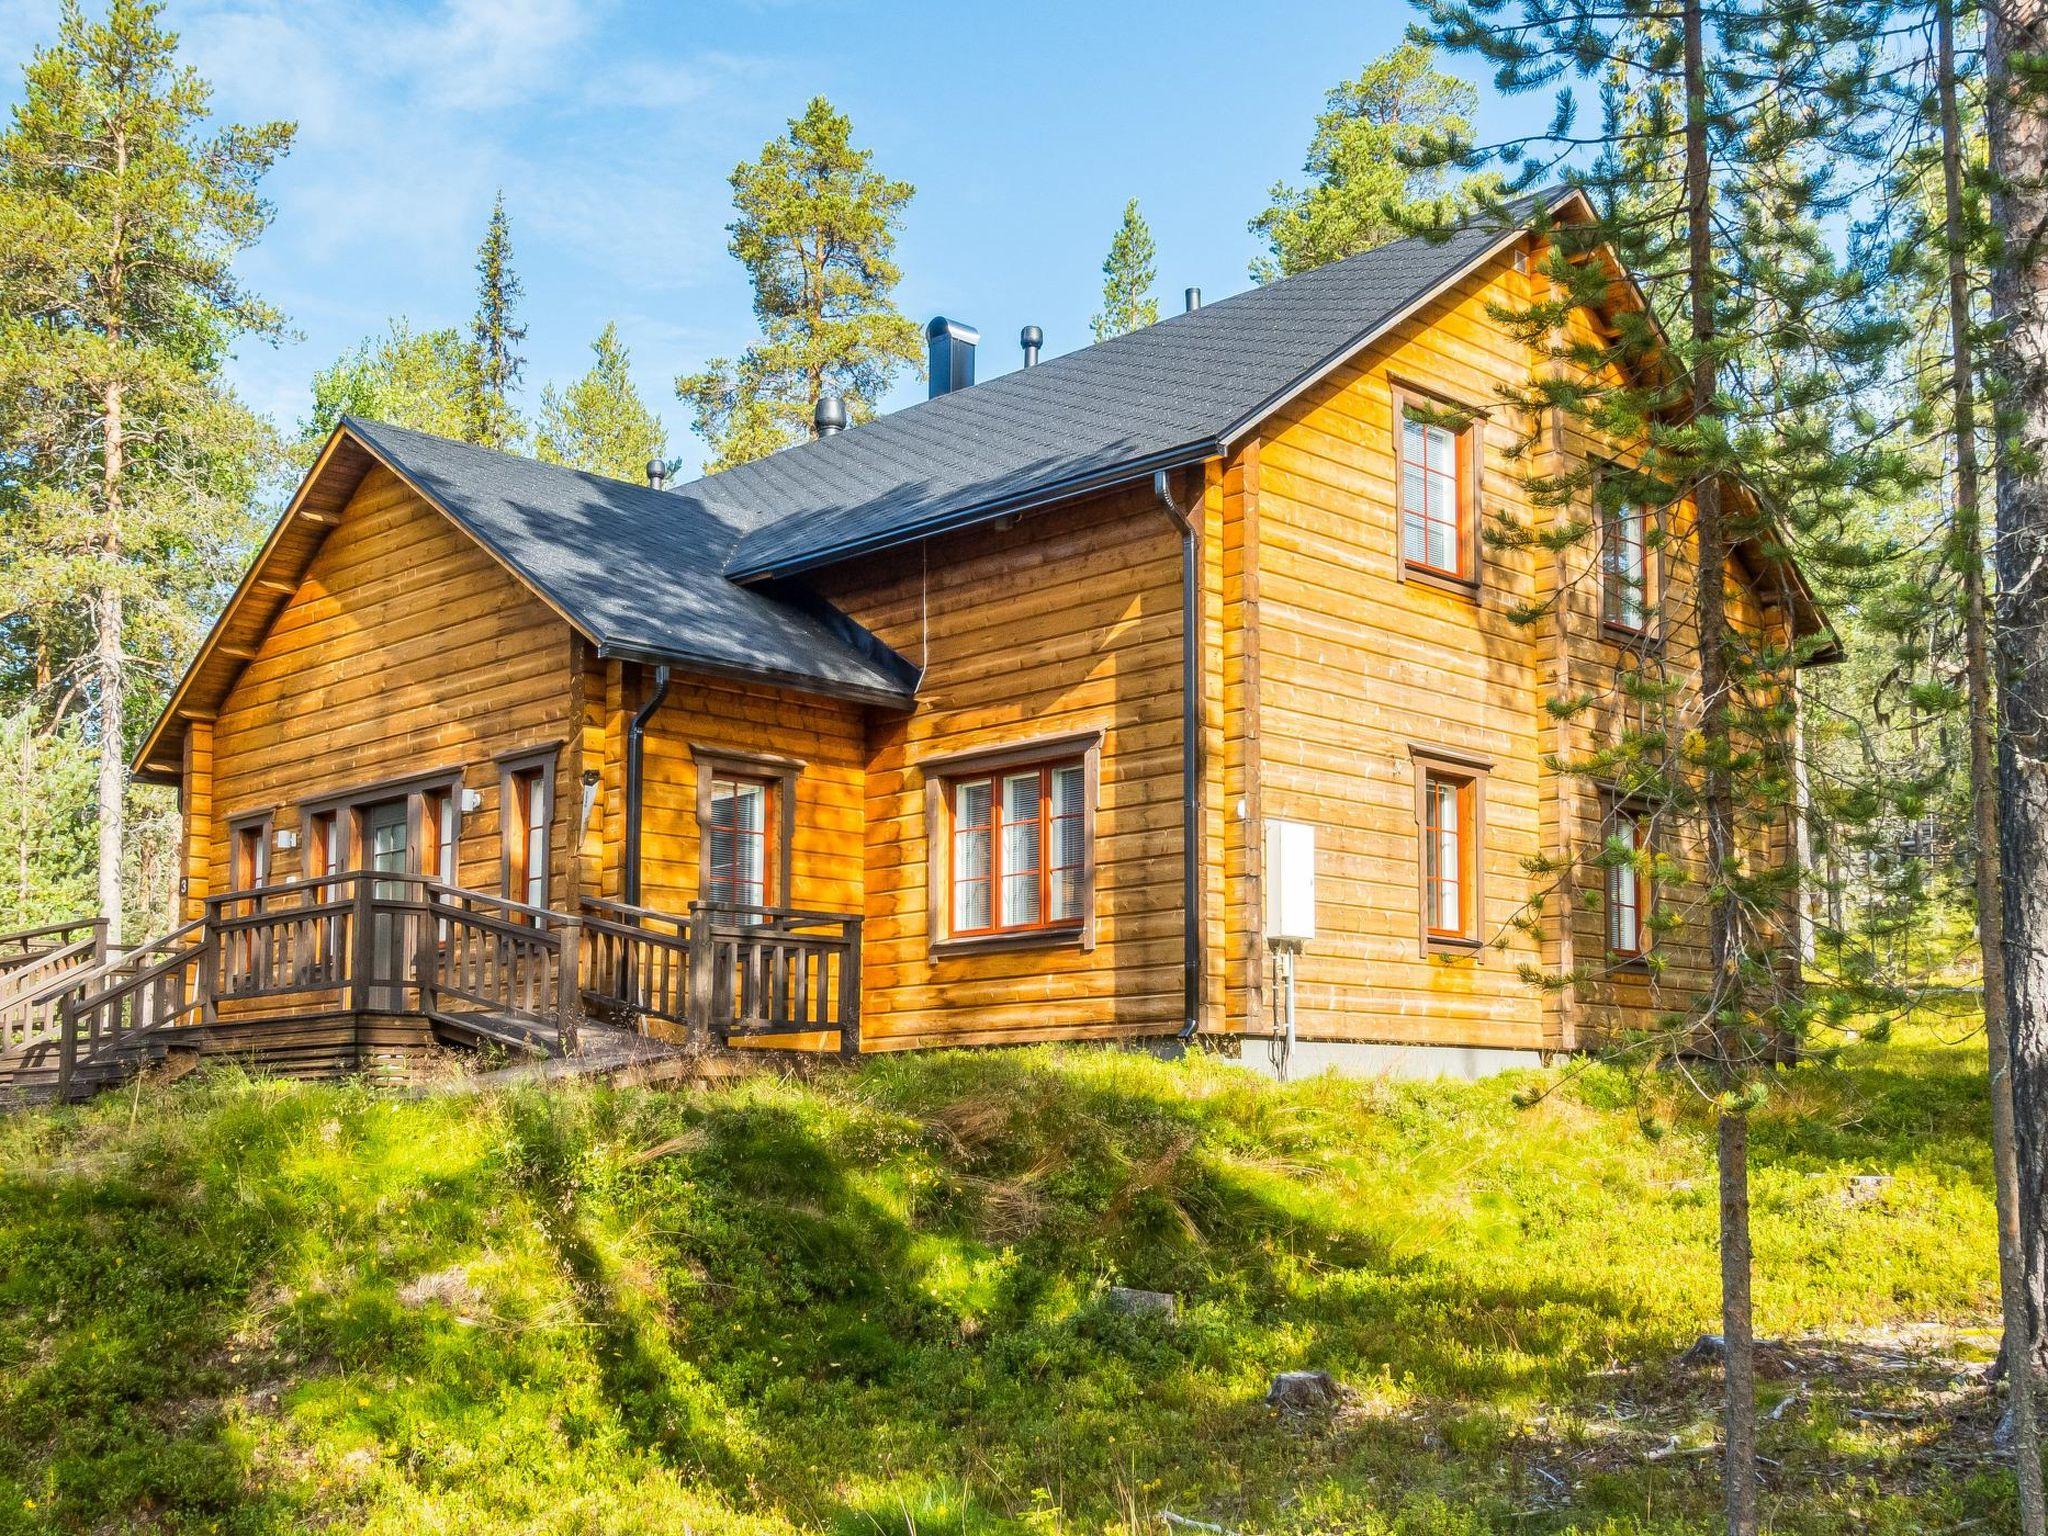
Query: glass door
point(387, 828)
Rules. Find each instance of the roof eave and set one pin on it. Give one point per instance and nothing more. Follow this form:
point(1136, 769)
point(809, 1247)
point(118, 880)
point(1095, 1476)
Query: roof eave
point(1125, 471)
point(141, 766)
point(797, 682)
point(1281, 398)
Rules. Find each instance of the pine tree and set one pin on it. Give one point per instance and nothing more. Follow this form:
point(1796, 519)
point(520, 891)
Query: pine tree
point(816, 233)
point(417, 379)
point(1362, 174)
point(1962, 238)
point(120, 221)
point(2016, 124)
point(1128, 273)
point(494, 336)
point(1737, 385)
point(600, 423)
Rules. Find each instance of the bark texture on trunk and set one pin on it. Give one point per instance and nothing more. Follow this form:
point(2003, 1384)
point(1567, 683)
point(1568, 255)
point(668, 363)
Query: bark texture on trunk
point(2017, 130)
point(2019, 1331)
point(111, 672)
point(1738, 1475)
point(1738, 1470)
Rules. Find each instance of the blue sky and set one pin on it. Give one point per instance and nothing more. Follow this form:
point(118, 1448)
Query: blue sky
point(611, 126)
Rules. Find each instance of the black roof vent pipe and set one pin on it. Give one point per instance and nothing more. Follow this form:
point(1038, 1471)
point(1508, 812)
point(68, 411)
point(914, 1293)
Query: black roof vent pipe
point(1031, 338)
point(1194, 300)
point(657, 474)
point(828, 416)
point(950, 346)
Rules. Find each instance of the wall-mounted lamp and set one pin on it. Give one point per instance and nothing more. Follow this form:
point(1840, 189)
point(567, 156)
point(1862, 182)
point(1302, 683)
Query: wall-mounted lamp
point(472, 800)
point(285, 839)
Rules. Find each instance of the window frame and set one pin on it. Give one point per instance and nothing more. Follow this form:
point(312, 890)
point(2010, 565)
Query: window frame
point(780, 774)
point(1642, 817)
point(942, 776)
point(259, 827)
point(348, 805)
point(1467, 580)
point(1612, 593)
point(536, 765)
point(1469, 773)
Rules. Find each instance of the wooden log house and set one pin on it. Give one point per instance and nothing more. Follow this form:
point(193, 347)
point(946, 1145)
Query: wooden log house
point(1011, 680)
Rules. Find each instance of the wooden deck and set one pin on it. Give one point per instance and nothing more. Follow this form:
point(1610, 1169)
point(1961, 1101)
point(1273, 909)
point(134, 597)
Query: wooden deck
point(369, 973)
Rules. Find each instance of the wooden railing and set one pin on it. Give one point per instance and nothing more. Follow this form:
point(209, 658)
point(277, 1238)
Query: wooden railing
point(374, 943)
point(25, 946)
point(33, 980)
point(776, 971)
point(144, 990)
point(362, 942)
point(733, 971)
point(489, 955)
point(636, 962)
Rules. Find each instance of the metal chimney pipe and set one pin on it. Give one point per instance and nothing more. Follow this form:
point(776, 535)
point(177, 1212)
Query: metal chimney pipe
point(1031, 338)
point(950, 346)
point(1194, 300)
point(828, 416)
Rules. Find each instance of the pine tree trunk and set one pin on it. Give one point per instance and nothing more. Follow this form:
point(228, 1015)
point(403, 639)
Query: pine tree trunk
point(1969, 542)
point(1738, 1494)
point(1738, 1473)
point(2017, 130)
point(111, 673)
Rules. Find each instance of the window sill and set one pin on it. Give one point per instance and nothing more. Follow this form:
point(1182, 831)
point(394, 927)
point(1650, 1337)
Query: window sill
point(1631, 638)
point(1073, 936)
point(1628, 965)
point(1458, 586)
point(1436, 944)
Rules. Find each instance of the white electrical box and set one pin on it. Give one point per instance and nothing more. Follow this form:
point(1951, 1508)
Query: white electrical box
point(1290, 882)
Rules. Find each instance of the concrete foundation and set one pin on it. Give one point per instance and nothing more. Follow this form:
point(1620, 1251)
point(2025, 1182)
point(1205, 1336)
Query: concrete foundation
point(1359, 1059)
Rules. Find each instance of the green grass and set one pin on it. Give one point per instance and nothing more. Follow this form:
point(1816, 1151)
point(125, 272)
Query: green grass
point(872, 1302)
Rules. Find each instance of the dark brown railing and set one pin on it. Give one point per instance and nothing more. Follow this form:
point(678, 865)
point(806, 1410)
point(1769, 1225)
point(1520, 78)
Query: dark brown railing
point(636, 963)
point(37, 966)
point(487, 955)
point(372, 943)
point(732, 971)
point(776, 971)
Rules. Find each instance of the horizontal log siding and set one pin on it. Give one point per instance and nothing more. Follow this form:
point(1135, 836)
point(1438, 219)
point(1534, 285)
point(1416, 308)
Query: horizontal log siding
point(1354, 665)
point(1068, 621)
point(825, 735)
point(407, 648)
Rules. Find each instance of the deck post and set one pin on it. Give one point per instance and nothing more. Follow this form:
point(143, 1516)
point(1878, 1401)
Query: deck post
point(426, 948)
point(67, 1047)
point(849, 993)
point(99, 940)
point(365, 944)
point(569, 982)
point(702, 988)
point(209, 954)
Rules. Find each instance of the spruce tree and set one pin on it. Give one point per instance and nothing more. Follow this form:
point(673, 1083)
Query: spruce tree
point(1128, 273)
point(1361, 164)
point(816, 233)
point(1726, 404)
point(600, 423)
point(494, 336)
point(130, 465)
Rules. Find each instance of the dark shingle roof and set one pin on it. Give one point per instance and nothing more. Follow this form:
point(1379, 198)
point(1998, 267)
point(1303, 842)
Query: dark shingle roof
point(1169, 394)
point(657, 574)
point(638, 570)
